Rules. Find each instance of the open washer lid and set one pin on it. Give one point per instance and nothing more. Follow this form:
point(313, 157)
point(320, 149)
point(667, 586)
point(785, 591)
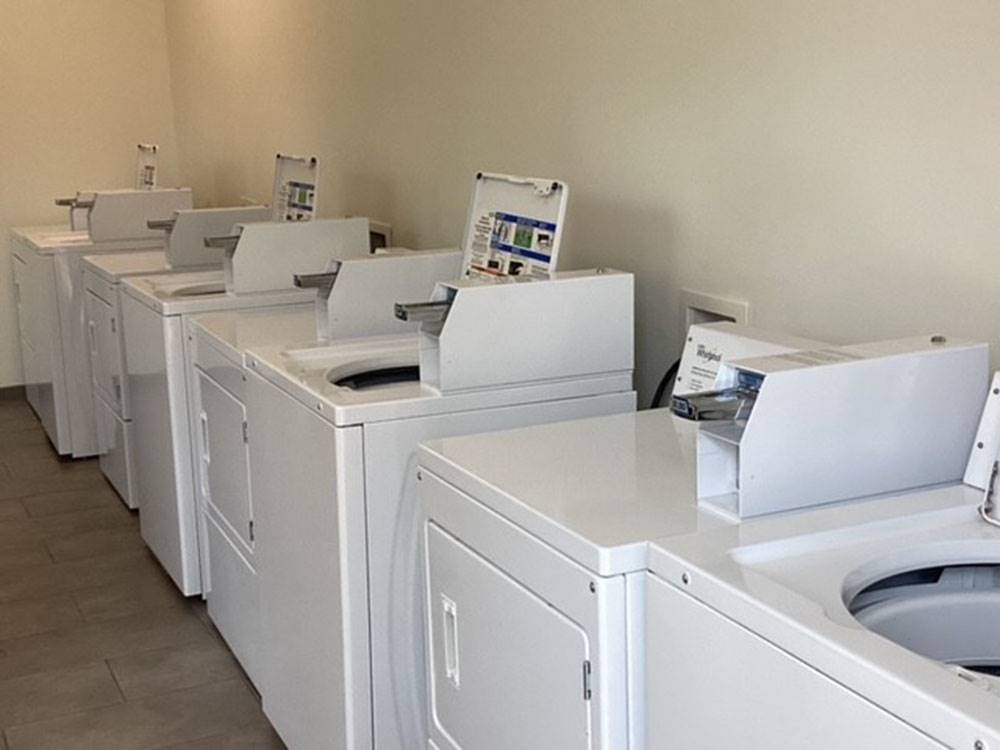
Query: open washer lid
point(514, 226)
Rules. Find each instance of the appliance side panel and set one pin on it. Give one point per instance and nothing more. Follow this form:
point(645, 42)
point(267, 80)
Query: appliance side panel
point(47, 388)
point(308, 499)
point(155, 357)
point(713, 683)
point(76, 354)
point(394, 548)
point(635, 657)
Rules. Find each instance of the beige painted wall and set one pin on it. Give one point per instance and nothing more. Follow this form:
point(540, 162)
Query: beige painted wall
point(81, 83)
point(835, 164)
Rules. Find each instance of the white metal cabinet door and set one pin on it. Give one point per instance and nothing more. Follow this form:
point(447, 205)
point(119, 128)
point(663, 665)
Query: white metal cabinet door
point(114, 449)
point(499, 651)
point(223, 462)
point(233, 597)
point(711, 683)
point(29, 364)
point(105, 352)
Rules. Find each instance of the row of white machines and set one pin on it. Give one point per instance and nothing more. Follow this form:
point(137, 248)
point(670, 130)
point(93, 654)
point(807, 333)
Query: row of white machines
point(817, 566)
point(56, 328)
point(303, 451)
point(265, 431)
point(49, 294)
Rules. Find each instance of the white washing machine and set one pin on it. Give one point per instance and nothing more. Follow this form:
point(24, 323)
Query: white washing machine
point(49, 295)
point(102, 276)
point(869, 622)
point(259, 267)
point(868, 625)
point(332, 439)
point(534, 571)
point(537, 575)
point(355, 297)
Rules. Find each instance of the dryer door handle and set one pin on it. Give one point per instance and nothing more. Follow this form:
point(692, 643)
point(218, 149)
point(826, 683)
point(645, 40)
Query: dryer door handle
point(206, 457)
point(450, 613)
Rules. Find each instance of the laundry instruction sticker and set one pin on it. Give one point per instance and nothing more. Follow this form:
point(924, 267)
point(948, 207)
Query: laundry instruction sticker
point(505, 244)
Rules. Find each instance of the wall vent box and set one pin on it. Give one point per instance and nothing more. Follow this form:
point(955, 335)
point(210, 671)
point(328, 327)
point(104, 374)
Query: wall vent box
point(699, 307)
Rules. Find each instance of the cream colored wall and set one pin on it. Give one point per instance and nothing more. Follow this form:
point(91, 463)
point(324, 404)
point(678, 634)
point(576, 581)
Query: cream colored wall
point(835, 164)
point(81, 83)
point(255, 77)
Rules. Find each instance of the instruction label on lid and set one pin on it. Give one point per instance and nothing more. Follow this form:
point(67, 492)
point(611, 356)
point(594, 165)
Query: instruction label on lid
point(145, 170)
point(294, 195)
point(505, 244)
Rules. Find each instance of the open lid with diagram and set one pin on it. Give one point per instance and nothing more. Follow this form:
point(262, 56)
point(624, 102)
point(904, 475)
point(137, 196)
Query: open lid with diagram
point(145, 168)
point(514, 226)
point(294, 194)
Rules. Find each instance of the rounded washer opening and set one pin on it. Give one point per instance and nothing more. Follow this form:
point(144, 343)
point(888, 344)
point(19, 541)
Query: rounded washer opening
point(377, 377)
point(199, 290)
point(948, 613)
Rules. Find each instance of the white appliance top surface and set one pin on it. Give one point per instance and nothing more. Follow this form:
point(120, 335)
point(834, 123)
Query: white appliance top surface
point(232, 332)
point(788, 576)
point(113, 266)
point(54, 240)
point(595, 489)
point(193, 292)
point(309, 374)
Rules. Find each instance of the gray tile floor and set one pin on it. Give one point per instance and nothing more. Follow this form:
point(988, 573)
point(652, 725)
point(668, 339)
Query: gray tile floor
point(97, 648)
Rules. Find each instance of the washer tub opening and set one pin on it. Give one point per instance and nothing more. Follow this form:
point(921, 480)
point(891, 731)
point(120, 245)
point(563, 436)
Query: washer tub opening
point(950, 613)
point(377, 377)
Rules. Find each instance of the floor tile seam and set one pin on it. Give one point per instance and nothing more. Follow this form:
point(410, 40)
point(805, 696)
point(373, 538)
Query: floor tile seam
point(140, 650)
point(121, 691)
point(174, 690)
point(56, 514)
point(254, 722)
point(146, 650)
point(80, 558)
point(61, 717)
point(123, 703)
point(55, 717)
point(70, 668)
point(4, 600)
point(105, 659)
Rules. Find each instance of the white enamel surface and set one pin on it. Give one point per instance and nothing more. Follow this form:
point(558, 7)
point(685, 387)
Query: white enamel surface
point(186, 240)
point(491, 638)
point(550, 319)
point(787, 577)
point(222, 486)
point(159, 371)
point(304, 374)
point(55, 333)
point(380, 515)
point(119, 214)
point(268, 255)
point(596, 490)
point(114, 442)
point(364, 294)
point(233, 332)
point(845, 422)
point(382, 583)
point(102, 277)
point(693, 650)
point(54, 240)
point(115, 266)
point(165, 293)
